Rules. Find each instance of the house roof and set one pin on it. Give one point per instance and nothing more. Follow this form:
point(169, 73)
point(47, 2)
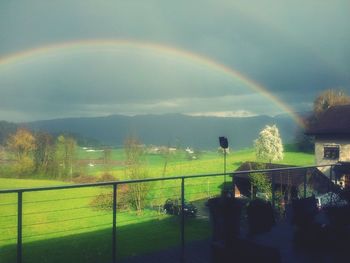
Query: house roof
point(342, 168)
point(334, 121)
point(315, 178)
point(294, 177)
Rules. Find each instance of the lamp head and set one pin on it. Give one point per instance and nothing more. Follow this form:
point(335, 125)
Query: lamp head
point(223, 142)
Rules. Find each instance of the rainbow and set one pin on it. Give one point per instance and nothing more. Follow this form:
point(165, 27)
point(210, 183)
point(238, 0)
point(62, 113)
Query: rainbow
point(111, 44)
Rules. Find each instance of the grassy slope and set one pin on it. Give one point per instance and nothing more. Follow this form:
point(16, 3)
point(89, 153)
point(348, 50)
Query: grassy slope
point(66, 216)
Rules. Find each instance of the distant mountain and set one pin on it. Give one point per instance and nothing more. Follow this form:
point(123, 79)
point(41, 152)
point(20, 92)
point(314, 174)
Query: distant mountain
point(6, 128)
point(173, 129)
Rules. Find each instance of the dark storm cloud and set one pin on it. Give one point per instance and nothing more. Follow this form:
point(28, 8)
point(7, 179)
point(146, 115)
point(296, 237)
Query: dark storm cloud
point(294, 48)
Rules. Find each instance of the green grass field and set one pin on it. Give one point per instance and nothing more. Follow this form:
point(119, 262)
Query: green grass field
point(63, 226)
point(54, 219)
point(178, 164)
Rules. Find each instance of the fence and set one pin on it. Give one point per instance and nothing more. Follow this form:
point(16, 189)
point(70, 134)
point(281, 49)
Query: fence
point(118, 214)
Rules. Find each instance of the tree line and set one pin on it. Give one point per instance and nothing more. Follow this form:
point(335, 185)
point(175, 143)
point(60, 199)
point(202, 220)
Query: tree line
point(41, 153)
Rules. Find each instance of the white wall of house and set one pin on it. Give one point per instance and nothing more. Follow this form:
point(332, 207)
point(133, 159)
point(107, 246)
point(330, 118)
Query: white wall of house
point(344, 152)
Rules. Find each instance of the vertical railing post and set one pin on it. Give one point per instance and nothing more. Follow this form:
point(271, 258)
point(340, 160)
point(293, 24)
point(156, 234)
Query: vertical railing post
point(19, 227)
point(330, 178)
point(305, 174)
point(225, 169)
point(335, 176)
point(273, 189)
point(182, 219)
point(233, 186)
point(114, 233)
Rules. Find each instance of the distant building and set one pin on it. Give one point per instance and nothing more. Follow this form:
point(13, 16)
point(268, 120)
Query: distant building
point(153, 150)
point(189, 150)
point(332, 140)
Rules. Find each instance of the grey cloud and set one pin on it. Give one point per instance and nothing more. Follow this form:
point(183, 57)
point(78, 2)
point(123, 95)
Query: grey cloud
point(294, 48)
point(102, 78)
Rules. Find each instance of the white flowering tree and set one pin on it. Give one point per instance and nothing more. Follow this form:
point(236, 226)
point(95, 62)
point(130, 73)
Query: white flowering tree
point(269, 145)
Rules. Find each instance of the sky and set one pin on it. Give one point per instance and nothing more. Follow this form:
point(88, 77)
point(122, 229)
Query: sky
point(216, 58)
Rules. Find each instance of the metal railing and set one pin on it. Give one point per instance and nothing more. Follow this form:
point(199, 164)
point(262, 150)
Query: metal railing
point(116, 184)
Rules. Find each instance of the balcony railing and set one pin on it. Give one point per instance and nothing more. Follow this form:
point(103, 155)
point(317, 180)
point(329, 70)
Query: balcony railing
point(44, 213)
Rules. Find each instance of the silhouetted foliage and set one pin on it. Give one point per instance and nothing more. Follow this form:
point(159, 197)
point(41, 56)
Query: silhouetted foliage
point(260, 216)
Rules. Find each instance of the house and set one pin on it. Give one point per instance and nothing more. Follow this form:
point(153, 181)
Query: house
point(288, 181)
point(332, 141)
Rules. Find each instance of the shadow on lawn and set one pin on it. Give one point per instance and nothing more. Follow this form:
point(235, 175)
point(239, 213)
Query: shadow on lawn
point(135, 239)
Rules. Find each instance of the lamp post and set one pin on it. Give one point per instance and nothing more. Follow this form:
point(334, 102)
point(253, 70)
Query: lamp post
point(224, 144)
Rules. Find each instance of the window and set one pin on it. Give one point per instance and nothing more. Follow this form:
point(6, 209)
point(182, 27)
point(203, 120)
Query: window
point(331, 152)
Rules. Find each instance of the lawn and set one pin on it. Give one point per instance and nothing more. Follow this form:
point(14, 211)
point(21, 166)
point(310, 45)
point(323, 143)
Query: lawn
point(63, 225)
point(207, 162)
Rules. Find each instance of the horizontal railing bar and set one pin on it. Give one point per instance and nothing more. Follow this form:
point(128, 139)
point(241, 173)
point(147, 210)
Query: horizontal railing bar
point(61, 187)
point(66, 220)
point(60, 199)
point(281, 169)
point(57, 211)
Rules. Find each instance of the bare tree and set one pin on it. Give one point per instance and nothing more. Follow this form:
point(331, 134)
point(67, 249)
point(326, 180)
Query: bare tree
point(136, 169)
point(107, 158)
point(44, 152)
point(22, 144)
point(65, 154)
point(328, 99)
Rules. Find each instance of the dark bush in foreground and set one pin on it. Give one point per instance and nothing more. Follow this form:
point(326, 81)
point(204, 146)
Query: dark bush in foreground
point(84, 179)
point(260, 216)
